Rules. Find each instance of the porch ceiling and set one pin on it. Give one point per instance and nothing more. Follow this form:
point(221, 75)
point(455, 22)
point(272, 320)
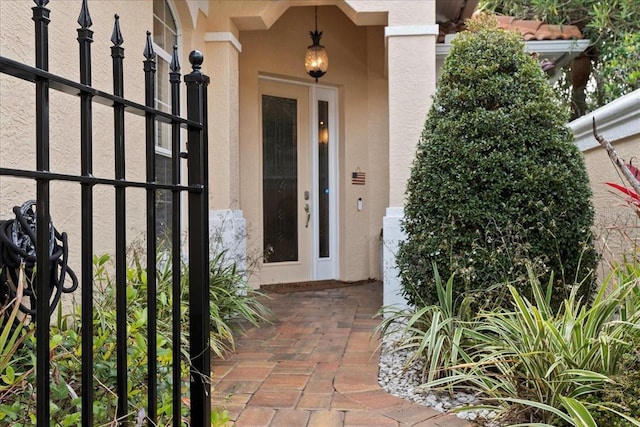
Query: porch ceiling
point(264, 17)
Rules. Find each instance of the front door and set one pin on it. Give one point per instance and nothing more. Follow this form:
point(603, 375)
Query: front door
point(299, 212)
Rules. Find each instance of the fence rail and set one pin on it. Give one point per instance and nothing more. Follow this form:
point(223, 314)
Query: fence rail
point(197, 189)
point(70, 87)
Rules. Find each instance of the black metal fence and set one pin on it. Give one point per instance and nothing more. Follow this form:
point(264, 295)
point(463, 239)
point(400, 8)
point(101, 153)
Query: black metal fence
point(197, 189)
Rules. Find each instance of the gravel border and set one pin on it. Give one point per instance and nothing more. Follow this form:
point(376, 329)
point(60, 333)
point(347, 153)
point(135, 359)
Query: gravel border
point(403, 381)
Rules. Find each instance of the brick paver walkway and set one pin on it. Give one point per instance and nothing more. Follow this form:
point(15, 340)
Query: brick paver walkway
point(315, 366)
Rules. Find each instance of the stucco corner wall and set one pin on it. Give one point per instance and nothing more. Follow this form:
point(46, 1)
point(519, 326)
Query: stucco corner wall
point(393, 235)
point(617, 227)
point(411, 51)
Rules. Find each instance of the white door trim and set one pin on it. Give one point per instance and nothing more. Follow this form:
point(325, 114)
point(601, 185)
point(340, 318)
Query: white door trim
point(325, 268)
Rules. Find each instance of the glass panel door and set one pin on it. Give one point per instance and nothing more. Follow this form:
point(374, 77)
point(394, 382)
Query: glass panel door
point(325, 173)
point(298, 213)
point(286, 226)
point(324, 250)
point(280, 178)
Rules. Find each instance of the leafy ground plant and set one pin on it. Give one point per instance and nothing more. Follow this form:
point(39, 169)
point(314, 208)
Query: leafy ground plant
point(12, 335)
point(231, 301)
point(538, 366)
point(432, 334)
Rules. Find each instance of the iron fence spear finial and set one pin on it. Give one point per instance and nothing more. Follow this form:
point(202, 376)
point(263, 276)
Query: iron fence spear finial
point(175, 63)
point(148, 48)
point(85, 18)
point(116, 36)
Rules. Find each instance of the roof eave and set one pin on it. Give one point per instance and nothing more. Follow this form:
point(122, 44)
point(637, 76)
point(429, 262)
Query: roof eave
point(560, 52)
point(617, 120)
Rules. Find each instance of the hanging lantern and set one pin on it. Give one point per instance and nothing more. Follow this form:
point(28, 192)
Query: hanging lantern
point(316, 61)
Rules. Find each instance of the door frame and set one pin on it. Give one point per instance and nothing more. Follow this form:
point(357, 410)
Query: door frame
point(321, 268)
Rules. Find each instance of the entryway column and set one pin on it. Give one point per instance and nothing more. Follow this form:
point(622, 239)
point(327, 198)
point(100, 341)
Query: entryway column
point(227, 223)
point(411, 53)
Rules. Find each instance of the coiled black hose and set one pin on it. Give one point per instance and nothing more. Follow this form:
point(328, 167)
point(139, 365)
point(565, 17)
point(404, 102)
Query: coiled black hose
point(17, 244)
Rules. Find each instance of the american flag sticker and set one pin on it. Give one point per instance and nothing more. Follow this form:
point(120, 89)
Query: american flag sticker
point(358, 178)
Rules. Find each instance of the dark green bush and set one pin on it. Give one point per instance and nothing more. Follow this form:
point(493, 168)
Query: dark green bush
point(623, 393)
point(497, 179)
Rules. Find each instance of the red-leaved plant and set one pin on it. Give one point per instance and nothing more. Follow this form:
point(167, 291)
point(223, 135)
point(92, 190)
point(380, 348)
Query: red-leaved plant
point(633, 197)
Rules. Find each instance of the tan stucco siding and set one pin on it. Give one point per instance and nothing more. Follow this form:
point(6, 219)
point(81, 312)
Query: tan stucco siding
point(224, 155)
point(378, 129)
point(399, 12)
point(411, 84)
point(617, 225)
point(17, 114)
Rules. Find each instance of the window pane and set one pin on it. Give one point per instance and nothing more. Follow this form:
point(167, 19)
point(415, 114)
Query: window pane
point(158, 8)
point(165, 29)
point(158, 33)
point(163, 130)
point(172, 39)
point(164, 36)
point(168, 19)
point(162, 81)
point(163, 135)
point(280, 178)
point(323, 178)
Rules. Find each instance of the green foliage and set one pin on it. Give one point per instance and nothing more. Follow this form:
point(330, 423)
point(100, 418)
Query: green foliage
point(618, 69)
point(623, 393)
point(612, 26)
point(12, 335)
point(231, 300)
point(496, 181)
point(548, 366)
point(433, 334)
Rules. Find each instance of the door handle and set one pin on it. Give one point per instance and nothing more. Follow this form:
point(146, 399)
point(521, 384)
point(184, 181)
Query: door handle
point(308, 211)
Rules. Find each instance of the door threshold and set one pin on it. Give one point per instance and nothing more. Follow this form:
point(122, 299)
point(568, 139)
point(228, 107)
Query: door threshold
point(313, 285)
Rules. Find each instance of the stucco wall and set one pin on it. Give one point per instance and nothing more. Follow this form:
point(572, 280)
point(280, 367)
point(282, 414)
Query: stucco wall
point(17, 112)
point(617, 225)
point(356, 57)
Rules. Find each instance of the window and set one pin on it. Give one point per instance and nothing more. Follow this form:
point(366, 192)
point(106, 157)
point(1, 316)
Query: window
point(165, 36)
point(165, 31)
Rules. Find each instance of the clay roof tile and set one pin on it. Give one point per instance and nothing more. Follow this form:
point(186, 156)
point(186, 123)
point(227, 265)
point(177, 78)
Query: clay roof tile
point(556, 32)
point(530, 29)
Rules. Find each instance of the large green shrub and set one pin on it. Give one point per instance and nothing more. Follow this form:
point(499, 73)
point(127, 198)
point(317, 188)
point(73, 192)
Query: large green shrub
point(497, 179)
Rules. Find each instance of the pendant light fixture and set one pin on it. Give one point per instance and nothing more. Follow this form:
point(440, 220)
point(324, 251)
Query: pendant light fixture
point(316, 60)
